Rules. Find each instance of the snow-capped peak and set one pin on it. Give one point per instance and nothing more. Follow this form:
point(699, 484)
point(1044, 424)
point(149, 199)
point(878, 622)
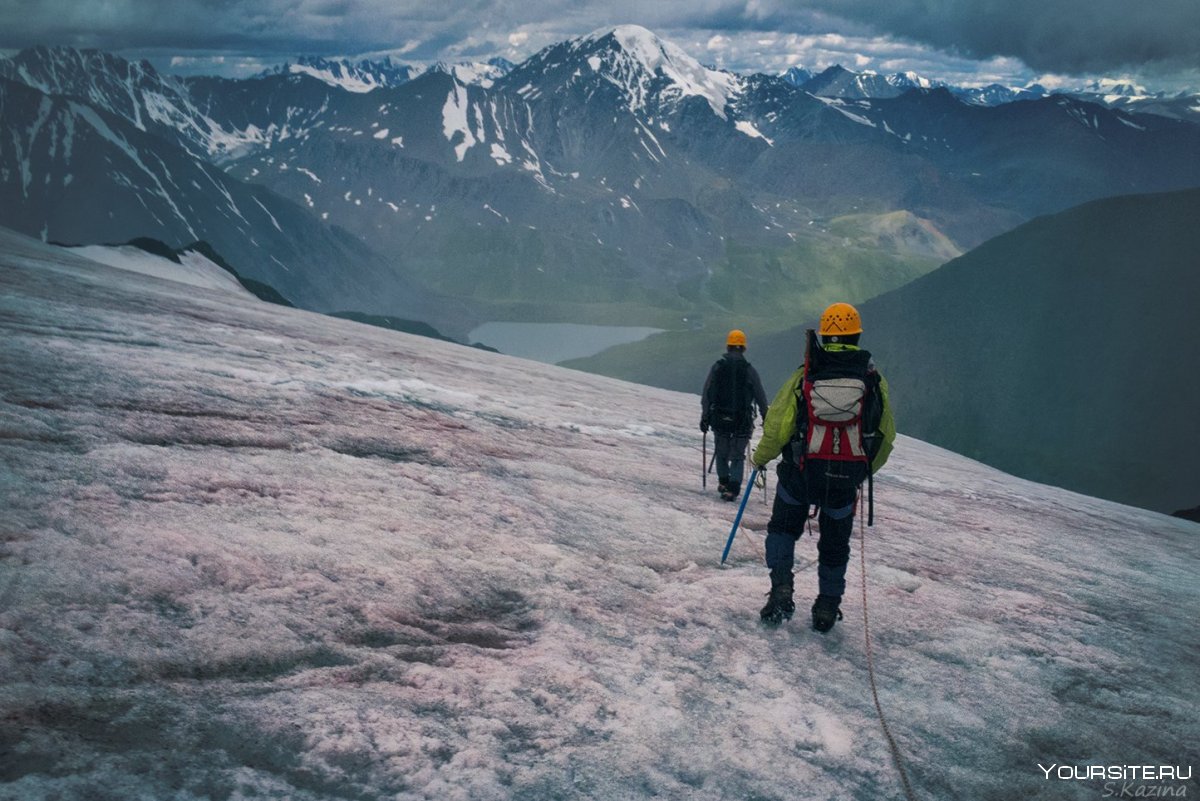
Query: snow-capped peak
point(1115, 88)
point(995, 94)
point(103, 79)
point(911, 79)
point(363, 76)
point(641, 43)
point(60, 69)
point(798, 76)
point(1121, 92)
point(479, 73)
point(640, 54)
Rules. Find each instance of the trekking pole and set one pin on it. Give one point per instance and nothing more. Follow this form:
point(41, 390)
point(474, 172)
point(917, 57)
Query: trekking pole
point(738, 519)
point(704, 461)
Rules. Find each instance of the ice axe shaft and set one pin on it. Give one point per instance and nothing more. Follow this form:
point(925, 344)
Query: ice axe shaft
point(737, 520)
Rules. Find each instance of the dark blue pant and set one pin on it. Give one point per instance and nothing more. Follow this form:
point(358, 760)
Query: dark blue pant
point(731, 457)
point(835, 521)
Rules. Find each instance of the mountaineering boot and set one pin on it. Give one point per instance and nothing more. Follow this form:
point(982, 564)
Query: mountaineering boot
point(779, 600)
point(826, 611)
point(731, 492)
point(722, 487)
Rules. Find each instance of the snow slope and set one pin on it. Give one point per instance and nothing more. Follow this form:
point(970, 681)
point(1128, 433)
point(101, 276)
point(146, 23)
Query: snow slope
point(193, 268)
point(252, 552)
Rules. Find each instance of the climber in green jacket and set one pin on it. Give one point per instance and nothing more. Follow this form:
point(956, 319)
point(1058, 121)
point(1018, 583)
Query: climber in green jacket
point(833, 425)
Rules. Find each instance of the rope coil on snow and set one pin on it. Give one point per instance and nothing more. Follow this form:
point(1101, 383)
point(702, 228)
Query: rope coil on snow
point(887, 733)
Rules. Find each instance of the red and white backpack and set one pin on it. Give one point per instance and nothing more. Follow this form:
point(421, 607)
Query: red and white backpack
point(840, 408)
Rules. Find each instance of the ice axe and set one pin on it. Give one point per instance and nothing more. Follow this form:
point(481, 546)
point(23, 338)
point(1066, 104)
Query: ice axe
point(738, 519)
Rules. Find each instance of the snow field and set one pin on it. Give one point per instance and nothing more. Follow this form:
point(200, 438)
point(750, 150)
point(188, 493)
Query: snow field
point(252, 552)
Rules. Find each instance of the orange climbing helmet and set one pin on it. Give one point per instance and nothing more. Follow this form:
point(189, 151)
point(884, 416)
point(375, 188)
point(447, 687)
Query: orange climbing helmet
point(840, 319)
point(736, 337)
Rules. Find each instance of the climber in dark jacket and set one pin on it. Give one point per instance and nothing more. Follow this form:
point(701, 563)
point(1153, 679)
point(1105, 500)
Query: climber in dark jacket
point(731, 392)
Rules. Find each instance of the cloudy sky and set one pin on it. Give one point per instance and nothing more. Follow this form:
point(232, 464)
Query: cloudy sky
point(964, 41)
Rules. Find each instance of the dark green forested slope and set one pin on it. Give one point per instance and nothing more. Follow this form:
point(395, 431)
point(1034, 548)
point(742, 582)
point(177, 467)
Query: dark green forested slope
point(1065, 351)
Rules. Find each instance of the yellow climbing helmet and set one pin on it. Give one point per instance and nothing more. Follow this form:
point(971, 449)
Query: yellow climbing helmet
point(840, 319)
point(736, 337)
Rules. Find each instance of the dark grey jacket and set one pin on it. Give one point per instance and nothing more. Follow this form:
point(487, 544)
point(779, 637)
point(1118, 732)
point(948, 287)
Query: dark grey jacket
point(709, 395)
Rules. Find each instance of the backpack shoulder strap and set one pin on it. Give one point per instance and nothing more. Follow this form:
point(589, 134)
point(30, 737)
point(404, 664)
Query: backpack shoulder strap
point(739, 378)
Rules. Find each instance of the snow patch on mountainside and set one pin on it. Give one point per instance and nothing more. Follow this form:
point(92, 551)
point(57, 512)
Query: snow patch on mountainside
point(193, 269)
point(455, 120)
point(351, 83)
point(747, 127)
point(358, 77)
point(500, 155)
point(843, 108)
point(480, 74)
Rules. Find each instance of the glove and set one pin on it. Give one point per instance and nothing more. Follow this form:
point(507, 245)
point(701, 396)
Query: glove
point(704, 424)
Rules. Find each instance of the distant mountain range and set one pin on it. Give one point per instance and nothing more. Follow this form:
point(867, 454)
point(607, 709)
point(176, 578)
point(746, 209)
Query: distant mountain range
point(608, 169)
point(837, 81)
point(354, 76)
point(76, 174)
point(366, 74)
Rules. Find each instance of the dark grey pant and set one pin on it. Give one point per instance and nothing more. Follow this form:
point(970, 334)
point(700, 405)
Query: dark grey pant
point(835, 521)
point(731, 457)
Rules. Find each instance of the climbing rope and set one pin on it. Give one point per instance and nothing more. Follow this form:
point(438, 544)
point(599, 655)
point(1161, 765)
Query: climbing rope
point(887, 732)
